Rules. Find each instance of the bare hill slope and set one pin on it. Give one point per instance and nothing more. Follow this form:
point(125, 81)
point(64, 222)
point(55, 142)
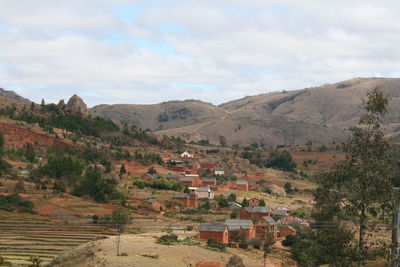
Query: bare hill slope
point(321, 114)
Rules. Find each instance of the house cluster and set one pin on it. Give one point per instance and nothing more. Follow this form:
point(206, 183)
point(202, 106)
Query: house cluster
point(253, 222)
point(197, 177)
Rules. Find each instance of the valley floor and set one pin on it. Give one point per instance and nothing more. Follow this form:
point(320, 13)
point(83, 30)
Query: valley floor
point(142, 251)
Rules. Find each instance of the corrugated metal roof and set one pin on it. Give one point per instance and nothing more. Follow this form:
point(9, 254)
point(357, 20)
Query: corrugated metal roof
point(234, 225)
point(242, 182)
point(258, 209)
point(208, 227)
point(269, 220)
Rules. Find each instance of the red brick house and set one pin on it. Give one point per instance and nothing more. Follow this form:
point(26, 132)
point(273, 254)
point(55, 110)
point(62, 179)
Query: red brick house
point(245, 227)
point(150, 177)
point(260, 174)
point(209, 165)
point(189, 201)
point(242, 185)
point(287, 230)
point(254, 202)
point(155, 204)
point(217, 231)
point(254, 212)
point(192, 167)
point(266, 225)
point(208, 181)
point(179, 168)
point(227, 186)
point(191, 180)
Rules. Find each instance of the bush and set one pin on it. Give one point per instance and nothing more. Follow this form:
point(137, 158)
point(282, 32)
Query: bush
point(9, 203)
point(26, 206)
point(256, 243)
point(189, 242)
point(169, 239)
point(243, 245)
point(289, 241)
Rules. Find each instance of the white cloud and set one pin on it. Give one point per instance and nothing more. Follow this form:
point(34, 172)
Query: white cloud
point(132, 51)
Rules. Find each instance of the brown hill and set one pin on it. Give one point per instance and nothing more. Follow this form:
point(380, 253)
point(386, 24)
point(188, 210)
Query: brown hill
point(166, 115)
point(320, 114)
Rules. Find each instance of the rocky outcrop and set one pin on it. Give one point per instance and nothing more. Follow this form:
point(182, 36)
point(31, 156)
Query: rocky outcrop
point(75, 106)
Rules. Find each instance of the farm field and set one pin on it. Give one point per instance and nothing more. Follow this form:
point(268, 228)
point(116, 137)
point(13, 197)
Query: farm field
point(24, 236)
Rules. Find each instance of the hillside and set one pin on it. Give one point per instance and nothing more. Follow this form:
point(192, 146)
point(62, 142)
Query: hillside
point(166, 115)
point(12, 95)
point(320, 114)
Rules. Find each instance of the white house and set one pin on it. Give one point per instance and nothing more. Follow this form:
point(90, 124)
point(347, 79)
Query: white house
point(219, 171)
point(186, 155)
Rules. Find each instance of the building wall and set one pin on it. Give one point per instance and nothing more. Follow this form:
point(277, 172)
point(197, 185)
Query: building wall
point(286, 231)
point(221, 237)
point(192, 203)
point(244, 214)
point(208, 183)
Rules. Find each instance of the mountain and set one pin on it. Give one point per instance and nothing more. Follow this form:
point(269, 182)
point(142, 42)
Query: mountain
point(321, 114)
point(166, 115)
point(12, 95)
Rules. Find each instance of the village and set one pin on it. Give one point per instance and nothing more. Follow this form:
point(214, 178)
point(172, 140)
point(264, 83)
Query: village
point(249, 219)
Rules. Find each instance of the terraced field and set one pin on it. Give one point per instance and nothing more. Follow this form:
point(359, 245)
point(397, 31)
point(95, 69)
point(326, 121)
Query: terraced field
point(45, 238)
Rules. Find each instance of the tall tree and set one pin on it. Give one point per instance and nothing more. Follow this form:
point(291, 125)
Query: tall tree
point(362, 183)
point(120, 218)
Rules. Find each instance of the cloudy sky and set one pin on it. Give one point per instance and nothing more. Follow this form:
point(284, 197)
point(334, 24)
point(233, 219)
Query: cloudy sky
point(130, 51)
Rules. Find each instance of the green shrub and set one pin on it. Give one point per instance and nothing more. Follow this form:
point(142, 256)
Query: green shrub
point(168, 239)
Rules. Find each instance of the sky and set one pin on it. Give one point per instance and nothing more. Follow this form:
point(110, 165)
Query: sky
point(144, 52)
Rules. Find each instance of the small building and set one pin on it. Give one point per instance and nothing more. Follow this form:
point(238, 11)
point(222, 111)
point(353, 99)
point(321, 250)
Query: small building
point(179, 168)
point(287, 230)
point(209, 165)
point(244, 227)
point(208, 181)
point(150, 177)
point(189, 201)
point(219, 171)
point(203, 192)
point(187, 155)
point(172, 177)
point(254, 212)
point(155, 204)
point(217, 231)
point(242, 185)
point(226, 186)
point(192, 167)
point(266, 225)
point(190, 180)
point(279, 213)
point(254, 201)
point(293, 221)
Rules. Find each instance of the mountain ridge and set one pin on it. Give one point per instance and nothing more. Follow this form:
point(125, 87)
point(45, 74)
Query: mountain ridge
point(322, 114)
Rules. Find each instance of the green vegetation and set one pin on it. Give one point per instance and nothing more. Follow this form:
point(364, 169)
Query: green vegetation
point(160, 183)
point(12, 202)
point(212, 244)
point(120, 218)
point(101, 189)
point(281, 160)
point(169, 239)
point(148, 158)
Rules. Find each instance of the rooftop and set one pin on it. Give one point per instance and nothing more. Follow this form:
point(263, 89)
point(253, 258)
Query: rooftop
point(207, 227)
point(258, 209)
point(234, 225)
